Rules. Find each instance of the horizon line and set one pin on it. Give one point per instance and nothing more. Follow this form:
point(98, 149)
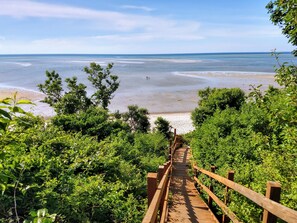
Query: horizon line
point(139, 54)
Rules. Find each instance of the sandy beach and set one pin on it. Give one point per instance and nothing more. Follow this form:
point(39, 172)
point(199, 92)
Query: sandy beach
point(176, 106)
point(179, 120)
point(39, 108)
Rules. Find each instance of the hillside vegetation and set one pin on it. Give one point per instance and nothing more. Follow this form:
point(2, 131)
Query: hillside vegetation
point(84, 164)
point(254, 135)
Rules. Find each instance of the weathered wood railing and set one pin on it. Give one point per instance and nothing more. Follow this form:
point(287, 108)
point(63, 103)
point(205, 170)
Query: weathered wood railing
point(272, 209)
point(158, 192)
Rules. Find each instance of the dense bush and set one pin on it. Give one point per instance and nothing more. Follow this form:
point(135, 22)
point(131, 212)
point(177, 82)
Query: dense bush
point(216, 99)
point(83, 168)
point(256, 137)
point(257, 140)
point(94, 122)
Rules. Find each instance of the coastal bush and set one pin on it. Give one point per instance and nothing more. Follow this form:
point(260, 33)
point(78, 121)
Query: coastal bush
point(257, 141)
point(95, 121)
point(62, 169)
point(216, 99)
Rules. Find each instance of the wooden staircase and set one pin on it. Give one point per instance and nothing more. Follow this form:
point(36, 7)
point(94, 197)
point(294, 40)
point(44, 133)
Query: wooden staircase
point(186, 205)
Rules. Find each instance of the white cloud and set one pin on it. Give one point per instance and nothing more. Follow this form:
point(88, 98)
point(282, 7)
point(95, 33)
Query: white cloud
point(27, 8)
point(118, 32)
point(144, 8)
point(109, 20)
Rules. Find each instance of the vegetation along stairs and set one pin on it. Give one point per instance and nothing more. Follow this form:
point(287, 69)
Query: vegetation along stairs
point(174, 196)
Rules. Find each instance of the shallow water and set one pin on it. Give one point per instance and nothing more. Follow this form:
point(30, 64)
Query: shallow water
point(148, 79)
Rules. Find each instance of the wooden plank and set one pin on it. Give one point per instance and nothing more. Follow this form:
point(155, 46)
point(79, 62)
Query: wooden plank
point(281, 211)
point(186, 204)
point(221, 204)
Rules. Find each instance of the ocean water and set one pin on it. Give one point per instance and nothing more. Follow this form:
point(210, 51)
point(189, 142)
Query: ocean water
point(143, 75)
point(26, 71)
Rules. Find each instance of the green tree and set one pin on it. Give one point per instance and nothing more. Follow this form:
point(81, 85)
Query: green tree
point(163, 126)
point(75, 99)
point(137, 118)
point(104, 82)
point(283, 13)
point(52, 88)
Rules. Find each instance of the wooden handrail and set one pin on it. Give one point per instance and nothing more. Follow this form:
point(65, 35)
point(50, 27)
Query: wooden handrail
point(152, 212)
point(282, 212)
point(165, 206)
point(160, 198)
point(224, 207)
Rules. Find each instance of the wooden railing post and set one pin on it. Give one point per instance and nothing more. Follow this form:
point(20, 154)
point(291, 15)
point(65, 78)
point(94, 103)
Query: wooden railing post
point(273, 191)
point(195, 183)
point(151, 186)
point(161, 171)
point(230, 176)
point(209, 203)
point(174, 133)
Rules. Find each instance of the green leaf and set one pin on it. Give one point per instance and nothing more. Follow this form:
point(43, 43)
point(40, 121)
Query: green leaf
point(42, 212)
point(33, 213)
point(18, 110)
point(3, 188)
point(5, 114)
point(24, 102)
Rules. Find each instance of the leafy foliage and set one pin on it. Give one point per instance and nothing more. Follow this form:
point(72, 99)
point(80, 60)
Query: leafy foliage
point(163, 126)
point(82, 167)
point(74, 176)
point(283, 13)
point(104, 82)
point(52, 88)
point(256, 141)
point(9, 109)
point(137, 118)
point(258, 138)
point(216, 99)
point(76, 99)
point(93, 122)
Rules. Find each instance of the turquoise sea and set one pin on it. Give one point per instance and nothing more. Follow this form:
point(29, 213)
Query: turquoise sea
point(147, 75)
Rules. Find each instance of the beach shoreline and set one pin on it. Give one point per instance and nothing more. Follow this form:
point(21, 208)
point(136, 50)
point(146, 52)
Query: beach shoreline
point(181, 120)
point(175, 106)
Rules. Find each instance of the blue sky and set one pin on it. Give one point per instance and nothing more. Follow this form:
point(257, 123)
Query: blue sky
point(137, 26)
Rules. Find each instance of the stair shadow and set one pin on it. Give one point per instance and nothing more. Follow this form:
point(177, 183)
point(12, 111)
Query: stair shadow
point(182, 178)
